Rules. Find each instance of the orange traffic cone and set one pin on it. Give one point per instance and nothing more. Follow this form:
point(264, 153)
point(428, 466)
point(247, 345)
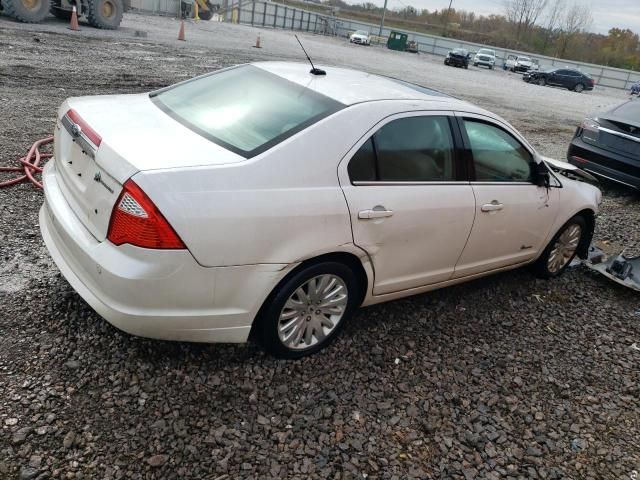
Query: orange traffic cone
point(181, 34)
point(74, 20)
point(257, 45)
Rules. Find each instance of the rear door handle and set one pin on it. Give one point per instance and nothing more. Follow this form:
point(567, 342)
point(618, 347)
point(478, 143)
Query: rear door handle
point(492, 207)
point(376, 212)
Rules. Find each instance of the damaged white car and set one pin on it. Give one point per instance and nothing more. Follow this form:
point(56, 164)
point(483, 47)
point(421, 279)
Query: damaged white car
point(272, 200)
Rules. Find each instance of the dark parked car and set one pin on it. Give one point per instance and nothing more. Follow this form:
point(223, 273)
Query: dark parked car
point(561, 77)
point(458, 57)
point(608, 144)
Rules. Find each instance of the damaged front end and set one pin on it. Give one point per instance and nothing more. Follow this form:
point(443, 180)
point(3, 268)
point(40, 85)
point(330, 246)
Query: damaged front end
point(570, 171)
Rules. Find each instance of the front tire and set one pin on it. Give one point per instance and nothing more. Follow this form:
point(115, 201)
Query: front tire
point(542, 82)
point(27, 11)
point(307, 311)
point(562, 248)
point(205, 14)
point(105, 14)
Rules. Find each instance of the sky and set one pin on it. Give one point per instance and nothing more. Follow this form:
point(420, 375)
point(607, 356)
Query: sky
point(606, 13)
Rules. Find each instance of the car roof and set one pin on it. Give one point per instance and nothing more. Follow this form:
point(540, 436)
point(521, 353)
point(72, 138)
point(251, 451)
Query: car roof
point(351, 86)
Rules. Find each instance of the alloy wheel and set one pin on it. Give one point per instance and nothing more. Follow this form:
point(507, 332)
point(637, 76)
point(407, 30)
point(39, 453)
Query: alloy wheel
point(565, 248)
point(313, 311)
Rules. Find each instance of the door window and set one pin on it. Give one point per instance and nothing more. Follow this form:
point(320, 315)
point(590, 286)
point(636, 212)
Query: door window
point(497, 155)
point(412, 149)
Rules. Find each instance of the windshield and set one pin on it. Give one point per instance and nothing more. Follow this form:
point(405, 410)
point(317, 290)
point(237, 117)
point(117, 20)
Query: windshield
point(524, 59)
point(487, 52)
point(459, 51)
point(244, 109)
point(361, 32)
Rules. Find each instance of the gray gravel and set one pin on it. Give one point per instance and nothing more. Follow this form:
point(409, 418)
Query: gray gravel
point(507, 376)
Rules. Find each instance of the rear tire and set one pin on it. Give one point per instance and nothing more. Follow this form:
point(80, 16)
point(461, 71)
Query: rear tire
point(562, 248)
point(579, 88)
point(306, 315)
point(27, 11)
point(105, 14)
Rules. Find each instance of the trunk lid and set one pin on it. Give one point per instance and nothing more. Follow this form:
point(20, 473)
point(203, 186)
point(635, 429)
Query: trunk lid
point(136, 136)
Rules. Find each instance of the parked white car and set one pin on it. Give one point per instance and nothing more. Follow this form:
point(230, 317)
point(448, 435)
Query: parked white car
point(486, 57)
point(361, 37)
point(264, 197)
point(518, 63)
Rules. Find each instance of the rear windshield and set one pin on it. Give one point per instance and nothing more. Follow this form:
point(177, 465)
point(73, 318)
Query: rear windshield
point(244, 109)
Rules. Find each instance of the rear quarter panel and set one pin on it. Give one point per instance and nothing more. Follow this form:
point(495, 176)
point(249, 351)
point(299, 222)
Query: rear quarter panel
point(283, 206)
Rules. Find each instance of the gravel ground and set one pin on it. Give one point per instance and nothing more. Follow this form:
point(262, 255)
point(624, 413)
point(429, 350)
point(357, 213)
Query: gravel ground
point(507, 376)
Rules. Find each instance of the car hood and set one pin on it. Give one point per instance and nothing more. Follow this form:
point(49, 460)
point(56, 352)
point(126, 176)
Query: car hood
point(565, 167)
point(140, 136)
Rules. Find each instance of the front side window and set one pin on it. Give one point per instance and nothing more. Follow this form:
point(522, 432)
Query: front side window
point(244, 109)
point(497, 155)
point(412, 149)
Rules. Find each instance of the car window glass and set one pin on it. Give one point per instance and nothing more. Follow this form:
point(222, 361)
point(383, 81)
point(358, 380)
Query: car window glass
point(244, 109)
point(362, 167)
point(415, 149)
point(497, 155)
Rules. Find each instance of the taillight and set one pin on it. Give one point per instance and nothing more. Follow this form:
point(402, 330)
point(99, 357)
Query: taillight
point(89, 132)
point(137, 221)
point(590, 130)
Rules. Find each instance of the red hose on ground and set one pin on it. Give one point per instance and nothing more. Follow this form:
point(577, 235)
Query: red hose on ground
point(30, 165)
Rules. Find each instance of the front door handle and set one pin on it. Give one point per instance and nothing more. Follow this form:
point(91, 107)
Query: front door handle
point(492, 207)
point(376, 212)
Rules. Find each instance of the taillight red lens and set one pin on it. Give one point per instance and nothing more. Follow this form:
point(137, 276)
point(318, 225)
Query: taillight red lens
point(136, 220)
point(89, 132)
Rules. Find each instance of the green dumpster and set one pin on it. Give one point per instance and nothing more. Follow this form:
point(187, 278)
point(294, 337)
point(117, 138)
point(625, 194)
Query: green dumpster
point(397, 41)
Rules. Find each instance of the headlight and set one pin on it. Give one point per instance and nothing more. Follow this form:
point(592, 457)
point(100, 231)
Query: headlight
point(590, 129)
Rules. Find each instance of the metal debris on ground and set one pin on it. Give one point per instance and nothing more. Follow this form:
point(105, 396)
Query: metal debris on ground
point(620, 269)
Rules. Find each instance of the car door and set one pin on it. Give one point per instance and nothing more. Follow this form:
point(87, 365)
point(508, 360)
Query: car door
point(411, 205)
point(513, 215)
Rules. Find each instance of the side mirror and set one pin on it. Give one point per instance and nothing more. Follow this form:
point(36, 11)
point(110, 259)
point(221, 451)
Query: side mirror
point(541, 175)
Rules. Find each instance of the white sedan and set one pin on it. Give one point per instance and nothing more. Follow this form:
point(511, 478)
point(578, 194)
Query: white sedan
point(263, 198)
point(360, 37)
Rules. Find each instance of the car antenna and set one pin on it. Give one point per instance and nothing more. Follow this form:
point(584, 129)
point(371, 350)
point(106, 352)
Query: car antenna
point(314, 70)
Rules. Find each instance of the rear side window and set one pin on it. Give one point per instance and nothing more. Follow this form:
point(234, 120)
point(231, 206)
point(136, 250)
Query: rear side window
point(413, 149)
point(244, 109)
point(497, 155)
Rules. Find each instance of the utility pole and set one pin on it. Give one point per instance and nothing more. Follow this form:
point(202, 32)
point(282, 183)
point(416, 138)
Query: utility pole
point(384, 10)
point(446, 19)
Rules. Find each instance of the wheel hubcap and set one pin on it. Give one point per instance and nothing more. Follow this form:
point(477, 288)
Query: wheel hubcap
point(565, 248)
point(107, 9)
point(312, 312)
point(31, 4)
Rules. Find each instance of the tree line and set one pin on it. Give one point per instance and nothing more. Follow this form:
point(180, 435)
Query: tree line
point(555, 28)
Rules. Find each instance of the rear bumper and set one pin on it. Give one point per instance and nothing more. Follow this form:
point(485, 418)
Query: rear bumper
point(595, 159)
point(152, 293)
